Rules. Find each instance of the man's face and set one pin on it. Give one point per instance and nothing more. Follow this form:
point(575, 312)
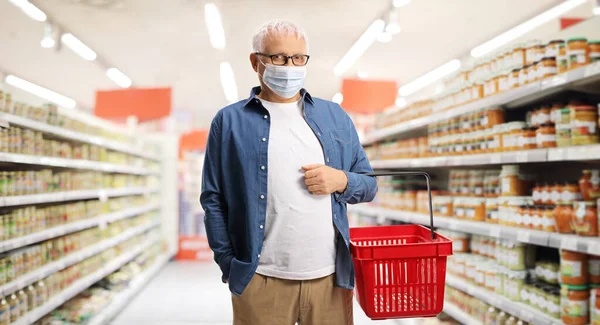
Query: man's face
point(278, 44)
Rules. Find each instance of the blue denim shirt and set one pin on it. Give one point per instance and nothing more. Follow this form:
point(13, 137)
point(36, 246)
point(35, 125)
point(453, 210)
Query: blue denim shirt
point(234, 187)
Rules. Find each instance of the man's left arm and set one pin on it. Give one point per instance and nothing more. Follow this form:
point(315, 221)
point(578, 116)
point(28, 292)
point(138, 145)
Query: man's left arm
point(360, 187)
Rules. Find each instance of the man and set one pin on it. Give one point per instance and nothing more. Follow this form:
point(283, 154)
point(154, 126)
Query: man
point(279, 169)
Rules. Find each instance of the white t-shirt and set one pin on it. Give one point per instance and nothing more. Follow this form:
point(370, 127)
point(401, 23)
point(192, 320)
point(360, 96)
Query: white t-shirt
point(299, 239)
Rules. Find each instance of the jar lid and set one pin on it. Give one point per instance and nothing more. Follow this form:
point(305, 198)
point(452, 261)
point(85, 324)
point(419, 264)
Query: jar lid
point(576, 39)
point(556, 41)
point(565, 109)
point(594, 42)
point(549, 58)
point(561, 45)
point(529, 128)
point(584, 108)
point(572, 287)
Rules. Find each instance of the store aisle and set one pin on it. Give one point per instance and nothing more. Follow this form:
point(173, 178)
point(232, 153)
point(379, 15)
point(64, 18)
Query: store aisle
point(191, 294)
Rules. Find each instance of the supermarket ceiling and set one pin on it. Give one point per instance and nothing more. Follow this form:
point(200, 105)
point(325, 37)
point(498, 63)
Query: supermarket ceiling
point(165, 43)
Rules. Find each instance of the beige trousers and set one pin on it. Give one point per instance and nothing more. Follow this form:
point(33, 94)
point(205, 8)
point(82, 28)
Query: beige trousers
point(272, 301)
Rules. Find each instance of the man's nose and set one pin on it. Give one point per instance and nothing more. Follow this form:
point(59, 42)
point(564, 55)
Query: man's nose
point(289, 62)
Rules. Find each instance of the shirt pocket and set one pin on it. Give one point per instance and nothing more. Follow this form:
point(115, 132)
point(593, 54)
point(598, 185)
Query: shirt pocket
point(342, 142)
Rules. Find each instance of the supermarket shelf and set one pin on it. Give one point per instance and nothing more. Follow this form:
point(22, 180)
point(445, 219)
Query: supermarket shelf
point(82, 284)
point(460, 315)
point(72, 163)
point(589, 245)
point(75, 136)
point(101, 194)
point(516, 309)
point(14, 243)
point(510, 98)
point(72, 259)
point(124, 298)
point(578, 153)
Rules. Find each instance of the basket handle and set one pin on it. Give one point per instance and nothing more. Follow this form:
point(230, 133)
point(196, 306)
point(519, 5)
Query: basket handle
point(427, 178)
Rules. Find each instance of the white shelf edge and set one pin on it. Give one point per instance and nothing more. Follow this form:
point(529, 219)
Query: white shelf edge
point(460, 315)
point(75, 136)
point(547, 86)
point(575, 153)
point(122, 299)
point(82, 284)
point(516, 309)
point(6, 201)
point(588, 245)
point(73, 163)
point(76, 226)
point(72, 259)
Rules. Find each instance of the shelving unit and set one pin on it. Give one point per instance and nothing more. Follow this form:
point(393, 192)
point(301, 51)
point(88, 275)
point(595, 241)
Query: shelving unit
point(520, 310)
point(460, 315)
point(589, 245)
point(511, 98)
point(101, 194)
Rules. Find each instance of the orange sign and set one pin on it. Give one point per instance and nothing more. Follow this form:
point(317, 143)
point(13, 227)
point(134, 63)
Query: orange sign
point(194, 249)
point(145, 103)
point(368, 96)
point(193, 141)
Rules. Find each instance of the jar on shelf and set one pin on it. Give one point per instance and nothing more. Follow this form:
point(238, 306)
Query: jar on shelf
point(589, 184)
point(491, 210)
point(474, 209)
point(585, 218)
point(563, 215)
point(442, 206)
point(563, 128)
point(594, 269)
point(536, 194)
point(543, 115)
point(511, 133)
point(514, 183)
point(546, 190)
point(562, 60)
point(523, 78)
point(552, 48)
point(569, 193)
point(555, 193)
point(545, 136)
point(555, 112)
point(546, 68)
point(577, 51)
point(527, 138)
point(458, 206)
point(573, 268)
point(548, 221)
point(584, 125)
point(594, 51)
point(532, 73)
point(518, 56)
point(575, 301)
point(595, 304)
point(513, 78)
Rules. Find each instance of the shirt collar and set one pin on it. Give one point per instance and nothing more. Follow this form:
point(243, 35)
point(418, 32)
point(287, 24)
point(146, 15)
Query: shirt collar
point(256, 90)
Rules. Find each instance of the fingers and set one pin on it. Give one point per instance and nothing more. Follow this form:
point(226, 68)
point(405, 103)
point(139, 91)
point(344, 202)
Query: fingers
point(316, 188)
point(312, 173)
point(311, 167)
point(312, 181)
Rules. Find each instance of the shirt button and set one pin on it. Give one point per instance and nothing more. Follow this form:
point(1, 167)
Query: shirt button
point(264, 139)
point(256, 101)
point(266, 117)
point(262, 197)
point(262, 167)
point(261, 226)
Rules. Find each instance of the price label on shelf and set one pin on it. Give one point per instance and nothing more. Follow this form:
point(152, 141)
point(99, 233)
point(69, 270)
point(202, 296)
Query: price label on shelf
point(102, 196)
point(592, 69)
point(522, 157)
point(569, 243)
point(523, 236)
point(593, 248)
point(495, 232)
point(496, 159)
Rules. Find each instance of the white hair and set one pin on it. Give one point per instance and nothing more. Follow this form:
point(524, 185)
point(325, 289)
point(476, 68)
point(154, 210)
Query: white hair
point(278, 27)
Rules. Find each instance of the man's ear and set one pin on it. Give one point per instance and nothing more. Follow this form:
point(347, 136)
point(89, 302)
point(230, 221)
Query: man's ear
point(254, 62)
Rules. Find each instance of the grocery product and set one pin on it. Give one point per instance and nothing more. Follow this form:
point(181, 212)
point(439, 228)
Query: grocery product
point(575, 301)
point(573, 268)
point(584, 125)
point(589, 184)
point(594, 269)
point(577, 51)
point(585, 218)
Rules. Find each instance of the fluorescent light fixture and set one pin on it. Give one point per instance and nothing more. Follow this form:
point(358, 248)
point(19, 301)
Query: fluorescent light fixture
point(362, 74)
point(47, 42)
point(401, 102)
point(596, 9)
point(78, 47)
point(338, 98)
point(525, 27)
point(30, 10)
point(359, 48)
point(228, 82)
point(384, 37)
point(118, 77)
point(393, 28)
point(430, 77)
point(41, 92)
point(401, 3)
point(216, 34)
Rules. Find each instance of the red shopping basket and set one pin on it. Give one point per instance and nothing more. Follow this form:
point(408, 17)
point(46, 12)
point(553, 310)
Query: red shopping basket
point(400, 270)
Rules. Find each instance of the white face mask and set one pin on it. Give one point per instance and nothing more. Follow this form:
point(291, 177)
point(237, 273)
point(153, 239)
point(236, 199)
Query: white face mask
point(286, 81)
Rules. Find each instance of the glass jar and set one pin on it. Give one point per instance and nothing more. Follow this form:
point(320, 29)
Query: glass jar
point(527, 138)
point(562, 60)
point(569, 194)
point(510, 138)
point(573, 268)
point(585, 218)
point(442, 206)
point(563, 214)
point(584, 125)
point(552, 49)
point(594, 51)
point(563, 128)
point(513, 183)
point(589, 184)
point(594, 269)
point(491, 211)
point(555, 112)
point(577, 51)
point(523, 78)
point(513, 78)
point(532, 73)
point(546, 68)
point(575, 304)
point(545, 136)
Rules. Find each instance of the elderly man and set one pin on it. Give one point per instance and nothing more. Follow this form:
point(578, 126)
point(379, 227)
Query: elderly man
point(280, 168)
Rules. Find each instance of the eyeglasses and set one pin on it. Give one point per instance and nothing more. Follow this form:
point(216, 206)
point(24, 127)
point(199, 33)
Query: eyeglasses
point(280, 59)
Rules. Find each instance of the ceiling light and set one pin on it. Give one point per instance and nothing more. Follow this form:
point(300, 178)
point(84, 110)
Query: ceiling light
point(41, 92)
point(359, 47)
point(596, 9)
point(393, 28)
point(430, 77)
point(525, 27)
point(118, 77)
point(401, 3)
point(384, 37)
point(338, 98)
point(48, 40)
point(228, 82)
point(400, 102)
point(78, 47)
point(216, 34)
point(30, 10)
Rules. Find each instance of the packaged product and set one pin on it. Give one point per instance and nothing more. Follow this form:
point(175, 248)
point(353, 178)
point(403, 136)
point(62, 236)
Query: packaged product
point(575, 300)
point(573, 268)
point(585, 218)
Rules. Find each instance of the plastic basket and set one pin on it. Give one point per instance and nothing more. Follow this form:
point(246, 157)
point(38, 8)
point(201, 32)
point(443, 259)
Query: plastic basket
point(400, 270)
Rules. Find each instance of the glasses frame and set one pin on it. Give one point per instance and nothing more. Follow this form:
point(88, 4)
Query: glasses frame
point(287, 58)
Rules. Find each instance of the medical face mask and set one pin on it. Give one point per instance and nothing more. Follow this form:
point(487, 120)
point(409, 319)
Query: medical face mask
point(286, 81)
